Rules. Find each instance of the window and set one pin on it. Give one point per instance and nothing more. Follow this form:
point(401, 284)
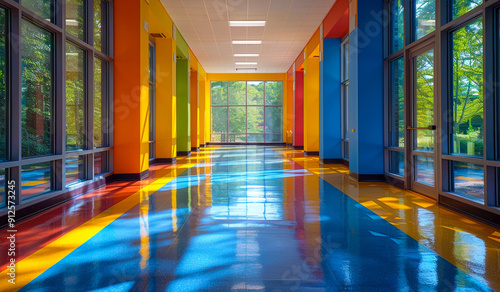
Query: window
point(37, 59)
point(425, 17)
point(345, 98)
point(467, 90)
point(247, 111)
point(75, 169)
point(152, 99)
point(396, 25)
point(460, 7)
point(36, 179)
point(3, 187)
point(3, 86)
point(75, 18)
point(100, 163)
point(397, 102)
point(100, 25)
point(101, 115)
point(44, 8)
point(468, 181)
point(75, 98)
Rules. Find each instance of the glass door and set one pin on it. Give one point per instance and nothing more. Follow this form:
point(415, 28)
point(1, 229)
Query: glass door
point(421, 126)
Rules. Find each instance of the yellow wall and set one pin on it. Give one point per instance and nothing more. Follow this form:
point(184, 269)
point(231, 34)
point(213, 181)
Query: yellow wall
point(311, 101)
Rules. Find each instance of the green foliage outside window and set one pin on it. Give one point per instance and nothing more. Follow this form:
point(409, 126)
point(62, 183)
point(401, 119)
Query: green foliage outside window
point(3, 83)
point(467, 100)
point(36, 90)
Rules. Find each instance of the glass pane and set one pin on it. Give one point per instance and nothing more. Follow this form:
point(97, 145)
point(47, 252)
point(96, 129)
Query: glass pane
point(237, 119)
point(274, 92)
point(3, 85)
point(397, 25)
point(345, 52)
point(219, 93)
point(237, 138)
point(36, 179)
point(75, 169)
point(460, 7)
point(397, 104)
point(255, 139)
point(424, 172)
point(100, 163)
point(424, 101)
point(345, 111)
point(219, 119)
point(237, 93)
point(346, 149)
point(255, 93)
point(274, 138)
point(218, 138)
point(3, 184)
point(425, 17)
point(99, 8)
point(36, 89)
point(469, 180)
point(100, 105)
point(75, 18)
point(255, 119)
point(43, 8)
point(397, 163)
point(75, 98)
point(274, 120)
point(468, 89)
point(152, 63)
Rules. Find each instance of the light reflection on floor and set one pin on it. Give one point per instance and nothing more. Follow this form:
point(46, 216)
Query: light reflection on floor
point(245, 218)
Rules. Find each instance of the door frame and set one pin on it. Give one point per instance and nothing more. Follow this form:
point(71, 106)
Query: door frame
point(410, 183)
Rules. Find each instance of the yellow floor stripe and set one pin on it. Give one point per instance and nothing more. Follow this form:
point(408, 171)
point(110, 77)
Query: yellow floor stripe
point(37, 263)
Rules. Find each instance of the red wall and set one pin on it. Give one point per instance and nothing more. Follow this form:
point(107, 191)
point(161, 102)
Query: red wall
point(298, 114)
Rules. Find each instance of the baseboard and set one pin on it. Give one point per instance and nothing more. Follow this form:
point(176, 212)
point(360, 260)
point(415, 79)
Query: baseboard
point(330, 161)
point(166, 160)
point(195, 149)
point(394, 182)
point(131, 176)
point(248, 144)
point(344, 162)
point(298, 147)
point(472, 211)
point(183, 153)
point(367, 177)
point(311, 153)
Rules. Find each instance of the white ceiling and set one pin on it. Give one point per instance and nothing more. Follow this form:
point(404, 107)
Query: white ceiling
point(289, 26)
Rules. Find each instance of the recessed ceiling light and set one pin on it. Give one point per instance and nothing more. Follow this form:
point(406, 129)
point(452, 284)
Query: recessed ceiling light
point(246, 63)
point(247, 42)
point(246, 69)
point(246, 55)
point(247, 23)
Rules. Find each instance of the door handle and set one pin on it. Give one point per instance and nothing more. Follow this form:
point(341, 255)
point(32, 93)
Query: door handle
point(431, 127)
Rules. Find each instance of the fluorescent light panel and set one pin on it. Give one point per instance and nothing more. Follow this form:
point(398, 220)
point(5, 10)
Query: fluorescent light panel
point(246, 63)
point(246, 55)
point(247, 42)
point(247, 23)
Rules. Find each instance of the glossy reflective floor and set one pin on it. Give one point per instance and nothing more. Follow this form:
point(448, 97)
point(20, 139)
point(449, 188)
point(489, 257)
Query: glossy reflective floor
point(258, 219)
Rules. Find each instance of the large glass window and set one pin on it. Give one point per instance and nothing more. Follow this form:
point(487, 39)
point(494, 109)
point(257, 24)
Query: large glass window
point(100, 104)
point(3, 86)
point(425, 17)
point(100, 163)
point(397, 25)
point(3, 186)
point(460, 7)
point(75, 98)
point(261, 120)
point(100, 24)
point(37, 64)
point(467, 90)
point(75, 18)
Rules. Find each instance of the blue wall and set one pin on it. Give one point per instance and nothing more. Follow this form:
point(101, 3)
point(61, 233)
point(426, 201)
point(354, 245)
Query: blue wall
point(330, 146)
point(366, 88)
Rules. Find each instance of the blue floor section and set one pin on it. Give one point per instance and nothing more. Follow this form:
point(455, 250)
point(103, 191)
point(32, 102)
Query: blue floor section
point(245, 232)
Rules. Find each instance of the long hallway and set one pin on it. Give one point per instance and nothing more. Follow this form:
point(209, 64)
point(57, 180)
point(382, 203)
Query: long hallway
point(253, 218)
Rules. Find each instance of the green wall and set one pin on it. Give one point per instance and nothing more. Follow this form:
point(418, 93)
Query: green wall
point(183, 107)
